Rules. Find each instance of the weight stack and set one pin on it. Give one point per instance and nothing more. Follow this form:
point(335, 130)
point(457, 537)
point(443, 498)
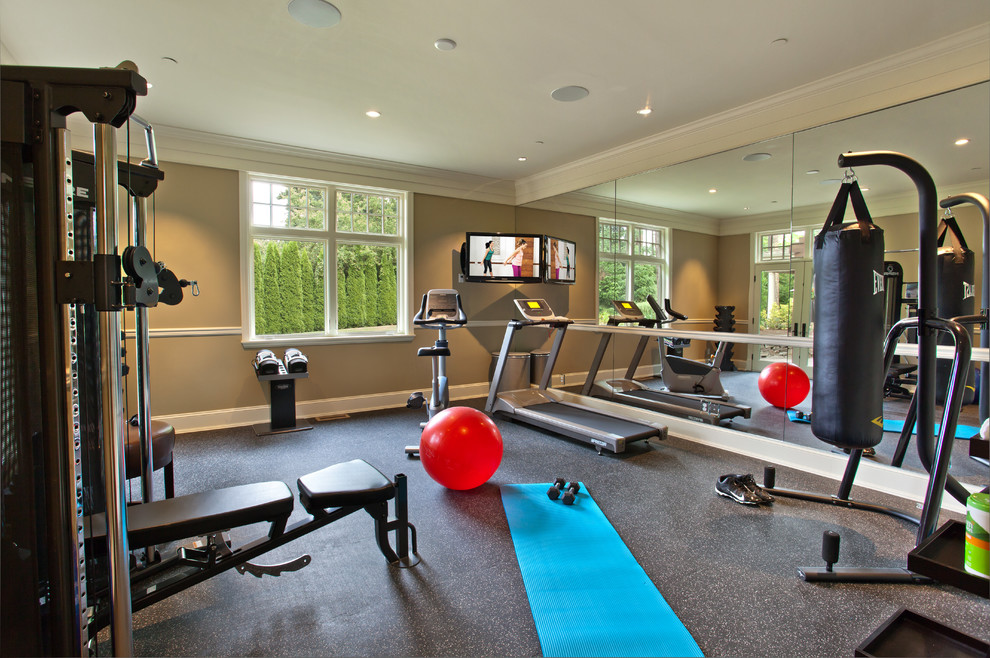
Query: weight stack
point(724, 321)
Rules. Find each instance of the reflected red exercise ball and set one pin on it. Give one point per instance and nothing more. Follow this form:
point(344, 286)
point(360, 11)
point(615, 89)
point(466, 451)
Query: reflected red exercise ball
point(460, 448)
point(783, 385)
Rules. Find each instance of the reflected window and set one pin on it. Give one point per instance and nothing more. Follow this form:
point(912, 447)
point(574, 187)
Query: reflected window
point(632, 263)
point(778, 246)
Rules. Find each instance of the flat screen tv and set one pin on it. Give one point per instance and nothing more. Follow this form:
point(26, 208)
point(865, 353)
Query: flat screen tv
point(503, 257)
point(559, 258)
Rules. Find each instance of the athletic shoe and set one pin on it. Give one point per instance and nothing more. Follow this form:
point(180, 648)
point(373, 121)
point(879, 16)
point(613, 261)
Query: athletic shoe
point(730, 487)
point(749, 482)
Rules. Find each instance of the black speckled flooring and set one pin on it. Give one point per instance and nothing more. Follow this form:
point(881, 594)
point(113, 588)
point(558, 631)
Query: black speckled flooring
point(727, 571)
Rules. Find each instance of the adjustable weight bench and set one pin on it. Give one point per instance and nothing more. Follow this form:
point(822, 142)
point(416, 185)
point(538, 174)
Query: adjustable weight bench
point(327, 495)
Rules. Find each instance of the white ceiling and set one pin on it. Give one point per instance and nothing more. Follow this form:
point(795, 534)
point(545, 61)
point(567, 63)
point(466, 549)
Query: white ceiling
point(246, 69)
point(925, 130)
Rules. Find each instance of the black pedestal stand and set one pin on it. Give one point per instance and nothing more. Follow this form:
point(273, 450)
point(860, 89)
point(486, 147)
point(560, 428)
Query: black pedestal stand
point(283, 404)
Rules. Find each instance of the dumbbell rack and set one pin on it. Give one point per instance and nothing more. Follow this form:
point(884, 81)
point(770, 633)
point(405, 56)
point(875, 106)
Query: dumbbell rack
point(282, 386)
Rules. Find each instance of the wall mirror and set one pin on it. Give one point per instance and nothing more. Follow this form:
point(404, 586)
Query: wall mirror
point(736, 229)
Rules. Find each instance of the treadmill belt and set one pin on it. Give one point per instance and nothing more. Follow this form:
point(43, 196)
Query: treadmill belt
point(631, 431)
point(656, 395)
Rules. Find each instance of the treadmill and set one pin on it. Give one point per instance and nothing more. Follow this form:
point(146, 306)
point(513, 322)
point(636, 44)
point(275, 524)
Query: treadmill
point(627, 390)
point(605, 425)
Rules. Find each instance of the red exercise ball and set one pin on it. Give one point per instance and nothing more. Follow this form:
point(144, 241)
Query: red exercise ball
point(783, 385)
point(460, 448)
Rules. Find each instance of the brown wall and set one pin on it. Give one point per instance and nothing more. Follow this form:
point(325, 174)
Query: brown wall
point(694, 266)
point(196, 232)
point(734, 261)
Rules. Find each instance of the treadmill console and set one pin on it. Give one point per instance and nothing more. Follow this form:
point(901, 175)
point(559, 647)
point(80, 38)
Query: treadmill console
point(628, 310)
point(537, 311)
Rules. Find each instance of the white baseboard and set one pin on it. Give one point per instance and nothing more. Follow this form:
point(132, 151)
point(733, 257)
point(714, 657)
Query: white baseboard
point(215, 419)
point(898, 482)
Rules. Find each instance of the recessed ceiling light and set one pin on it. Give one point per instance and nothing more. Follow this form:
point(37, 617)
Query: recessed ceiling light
point(712, 191)
point(864, 189)
point(445, 44)
point(170, 60)
point(756, 157)
point(779, 42)
point(962, 141)
point(374, 114)
point(521, 158)
point(813, 171)
point(314, 13)
point(830, 181)
point(569, 94)
point(745, 207)
point(644, 112)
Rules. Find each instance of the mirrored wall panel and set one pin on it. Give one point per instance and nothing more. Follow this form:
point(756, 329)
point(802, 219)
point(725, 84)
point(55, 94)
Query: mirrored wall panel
point(730, 237)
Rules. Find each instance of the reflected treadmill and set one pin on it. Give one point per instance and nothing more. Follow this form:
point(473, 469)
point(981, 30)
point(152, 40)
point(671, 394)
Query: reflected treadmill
point(603, 424)
point(711, 410)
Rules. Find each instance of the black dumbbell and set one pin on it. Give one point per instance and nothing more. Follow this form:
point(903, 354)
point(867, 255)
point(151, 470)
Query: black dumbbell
point(554, 491)
point(571, 493)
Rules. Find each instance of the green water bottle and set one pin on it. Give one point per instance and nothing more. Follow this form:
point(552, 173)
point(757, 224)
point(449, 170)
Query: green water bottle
point(977, 555)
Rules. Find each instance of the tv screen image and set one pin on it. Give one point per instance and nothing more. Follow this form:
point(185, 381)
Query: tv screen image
point(503, 257)
point(560, 260)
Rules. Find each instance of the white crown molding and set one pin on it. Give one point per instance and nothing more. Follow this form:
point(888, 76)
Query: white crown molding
point(942, 65)
point(583, 203)
point(193, 147)
point(814, 215)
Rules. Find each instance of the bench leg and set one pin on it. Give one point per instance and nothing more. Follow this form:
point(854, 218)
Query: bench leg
point(384, 524)
point(169, 475)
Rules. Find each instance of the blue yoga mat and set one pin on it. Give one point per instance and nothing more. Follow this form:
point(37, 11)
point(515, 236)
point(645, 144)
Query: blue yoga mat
point(588, 594)
point(962, 431)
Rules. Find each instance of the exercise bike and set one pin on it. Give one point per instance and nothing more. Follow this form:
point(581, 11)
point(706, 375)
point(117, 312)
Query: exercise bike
point(441, 309)
point(682, 375)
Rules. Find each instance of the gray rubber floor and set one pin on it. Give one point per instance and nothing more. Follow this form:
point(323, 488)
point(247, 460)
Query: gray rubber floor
point(728, 571)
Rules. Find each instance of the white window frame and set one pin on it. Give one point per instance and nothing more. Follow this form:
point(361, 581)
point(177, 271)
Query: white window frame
point(662, 261)
point(332, 237)
point(786, 250)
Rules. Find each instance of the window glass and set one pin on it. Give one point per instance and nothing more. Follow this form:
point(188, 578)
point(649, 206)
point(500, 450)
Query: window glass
point(295, 236)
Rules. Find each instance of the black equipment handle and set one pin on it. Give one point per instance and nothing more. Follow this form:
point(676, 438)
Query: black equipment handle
point(662, 317)
point(947, 224)
point(672, 312)
point(848, 192)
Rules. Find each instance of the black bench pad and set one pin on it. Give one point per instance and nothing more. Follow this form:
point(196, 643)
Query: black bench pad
point(164, 521)
point(344, 485)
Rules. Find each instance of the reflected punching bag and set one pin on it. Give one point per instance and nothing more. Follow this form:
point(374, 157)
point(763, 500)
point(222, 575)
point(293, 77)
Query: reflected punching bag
point(956, 274)
point(847, 397)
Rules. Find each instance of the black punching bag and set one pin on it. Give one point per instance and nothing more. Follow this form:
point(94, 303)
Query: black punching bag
point(847, 397)
point(956, 274)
